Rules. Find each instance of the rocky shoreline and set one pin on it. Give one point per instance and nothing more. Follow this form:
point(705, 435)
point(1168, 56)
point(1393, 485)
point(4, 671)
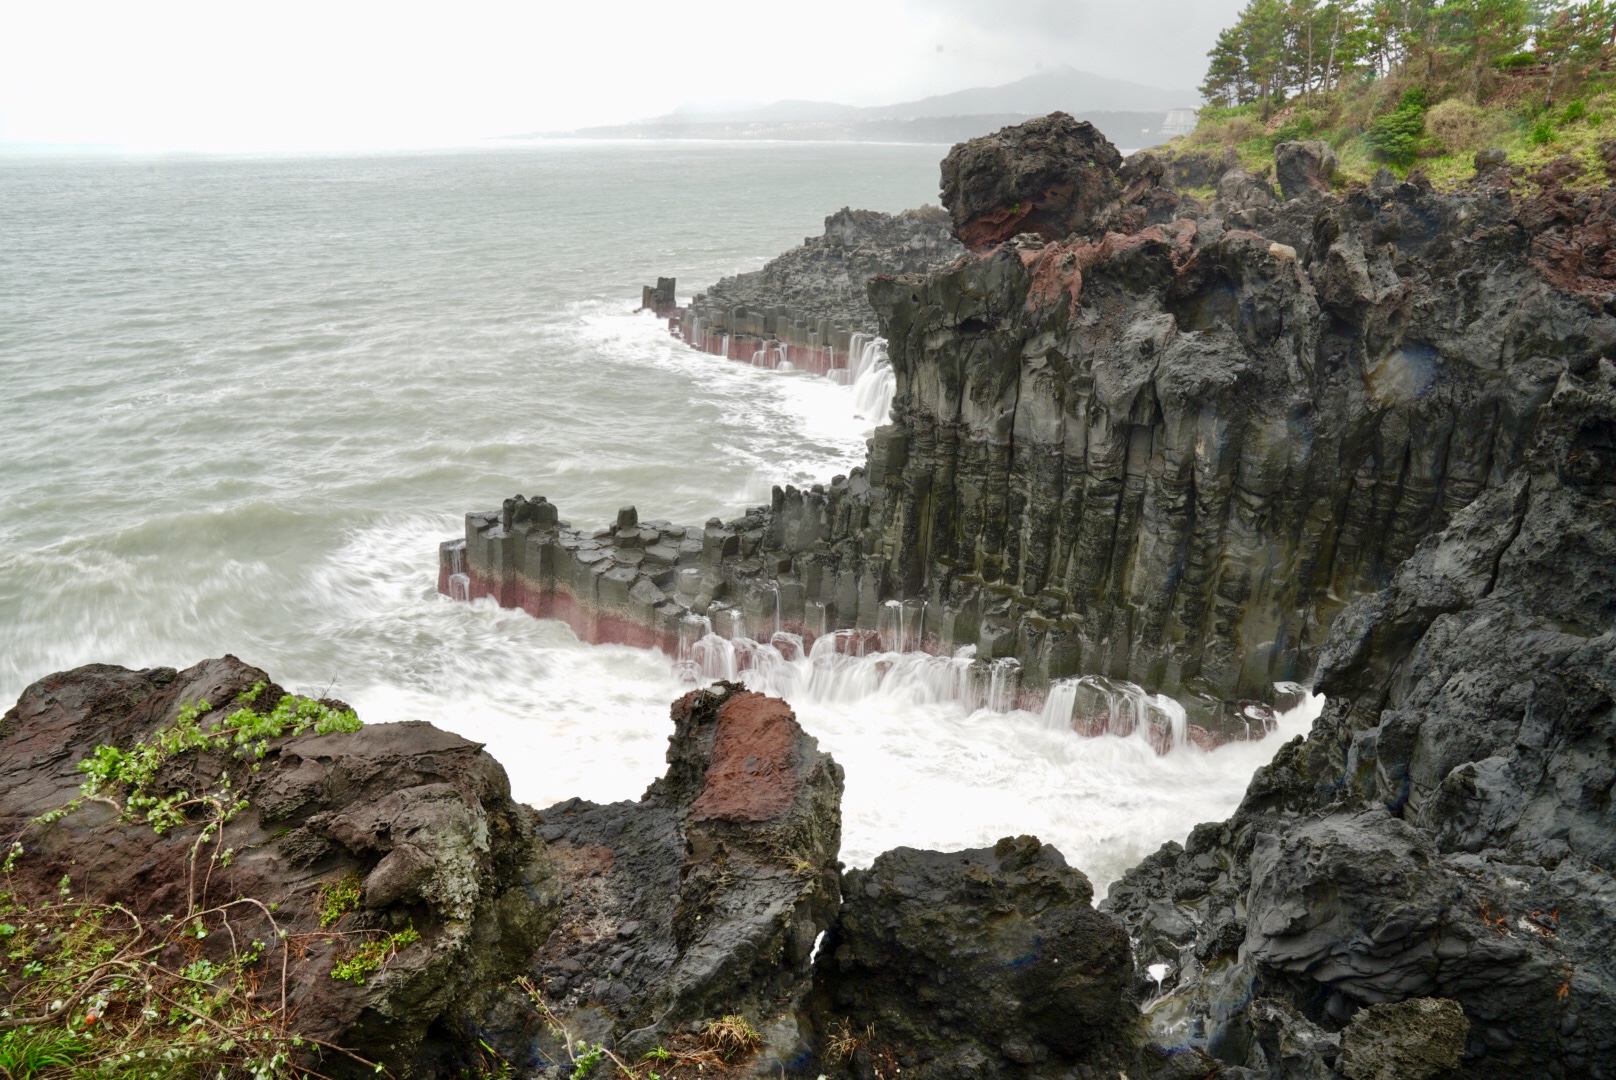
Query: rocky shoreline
point(808, 309)
point(1135, 436)
point(1364, 439)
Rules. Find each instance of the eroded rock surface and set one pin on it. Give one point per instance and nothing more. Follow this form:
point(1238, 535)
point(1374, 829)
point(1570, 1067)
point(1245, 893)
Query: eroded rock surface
point(805, 307)
point(422, 817)
point(1053, 177)
point(1172, 452)
point(1446, 830)
point(706, 897)
point(981, 963)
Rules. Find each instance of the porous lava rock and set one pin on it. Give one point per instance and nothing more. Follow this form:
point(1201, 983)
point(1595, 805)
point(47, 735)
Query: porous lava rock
point(1407, 1040)
point(1303, 167)
point(707, 897)
point(981, 963)
point(826, 278)
point(424, 818)
point(1053, 176)
point(1446, 830)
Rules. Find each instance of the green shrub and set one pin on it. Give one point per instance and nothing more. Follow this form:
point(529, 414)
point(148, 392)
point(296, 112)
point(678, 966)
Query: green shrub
point(1574, 112)
point(1542, 133)
point(1397, 136)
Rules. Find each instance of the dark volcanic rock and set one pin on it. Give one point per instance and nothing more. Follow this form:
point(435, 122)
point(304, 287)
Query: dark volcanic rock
point(827, 278)
point(1302, 167)
point(981, 963)
point(1410, 1040)
point(424, 817)
point(1053, 176)
point(706, 897)
point(1447, 828)
point(1170, 454)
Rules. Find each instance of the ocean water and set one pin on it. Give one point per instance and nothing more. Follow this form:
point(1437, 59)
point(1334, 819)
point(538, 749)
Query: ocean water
point(244, 398)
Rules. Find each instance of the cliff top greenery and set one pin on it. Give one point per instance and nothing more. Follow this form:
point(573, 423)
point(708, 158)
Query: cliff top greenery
point(1402, 84)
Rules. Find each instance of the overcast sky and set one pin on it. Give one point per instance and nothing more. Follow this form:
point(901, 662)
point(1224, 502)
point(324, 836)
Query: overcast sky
point(252, 74)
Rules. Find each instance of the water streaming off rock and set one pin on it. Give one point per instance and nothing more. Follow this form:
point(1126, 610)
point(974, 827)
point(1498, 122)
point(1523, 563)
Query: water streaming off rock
point(246, 398)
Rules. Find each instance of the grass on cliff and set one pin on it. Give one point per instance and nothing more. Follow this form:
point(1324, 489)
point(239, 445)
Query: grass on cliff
point(1404, 124)
point(93, 991)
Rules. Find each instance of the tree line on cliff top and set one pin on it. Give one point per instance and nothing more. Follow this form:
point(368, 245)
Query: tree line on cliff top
point(1282, 49)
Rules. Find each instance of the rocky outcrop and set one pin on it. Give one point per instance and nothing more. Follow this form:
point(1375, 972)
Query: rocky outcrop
point(709, 895)
point(419, 820)
point(983, 963)
point(1054, 177)
point(809, 307)
point(1301, 167)
point(1173, 453)
point(1446, 830)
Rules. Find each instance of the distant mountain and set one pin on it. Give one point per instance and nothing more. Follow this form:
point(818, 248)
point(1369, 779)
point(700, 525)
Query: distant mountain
point(1130, 114)
point(1063, 88)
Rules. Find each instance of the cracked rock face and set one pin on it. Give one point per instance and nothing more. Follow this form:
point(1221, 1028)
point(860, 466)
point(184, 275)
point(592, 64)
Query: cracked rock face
point(707, 897)
point(1053, 176)
point(424, 818)
point(981, 963)
point(1446, 831)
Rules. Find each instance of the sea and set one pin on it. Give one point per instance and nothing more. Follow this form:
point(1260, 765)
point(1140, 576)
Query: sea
point(242, 399)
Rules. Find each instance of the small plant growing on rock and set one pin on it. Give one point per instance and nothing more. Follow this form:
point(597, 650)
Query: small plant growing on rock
point(371, 955)
point(731, 1037)
point(339, 899)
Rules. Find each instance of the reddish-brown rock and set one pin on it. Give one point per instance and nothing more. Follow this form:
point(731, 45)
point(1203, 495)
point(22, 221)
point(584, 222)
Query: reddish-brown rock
point(423, 817)
point(1053, 176)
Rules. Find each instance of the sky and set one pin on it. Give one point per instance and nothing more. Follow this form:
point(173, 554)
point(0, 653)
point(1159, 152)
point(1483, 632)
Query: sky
point(333, 74)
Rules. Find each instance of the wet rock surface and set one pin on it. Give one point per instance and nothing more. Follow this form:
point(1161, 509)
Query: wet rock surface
point(707, 897)
point(989, 962)
point(805, 307)
point(1174, 452)
point(1446, 829)
point(422, 818)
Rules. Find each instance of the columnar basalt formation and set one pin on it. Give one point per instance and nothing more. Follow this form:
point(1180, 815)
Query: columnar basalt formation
point(1446, 830)
point(808, 307)
point(1168, 448)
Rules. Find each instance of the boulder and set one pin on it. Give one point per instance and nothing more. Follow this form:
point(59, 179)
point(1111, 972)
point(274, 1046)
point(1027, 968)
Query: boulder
point(707, 897)
point(420, 821)
point(1302, 167)
point(1053, 176)
point(988, 962)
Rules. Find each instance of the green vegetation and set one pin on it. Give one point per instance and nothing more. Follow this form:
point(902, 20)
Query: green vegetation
point(96, 991)
point(339, 899)
point(1415, 83)
point(371, 955)
point(725, 1041)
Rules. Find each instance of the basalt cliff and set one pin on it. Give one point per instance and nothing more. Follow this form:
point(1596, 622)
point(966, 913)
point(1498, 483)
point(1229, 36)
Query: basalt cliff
point(1134, 435)
point(1363, 439)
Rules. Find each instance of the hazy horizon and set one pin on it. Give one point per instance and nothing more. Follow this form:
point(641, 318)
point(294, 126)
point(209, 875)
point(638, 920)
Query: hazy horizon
point(186, 76)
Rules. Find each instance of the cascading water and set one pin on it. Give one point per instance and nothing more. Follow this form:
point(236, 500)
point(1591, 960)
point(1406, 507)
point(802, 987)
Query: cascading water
point(1004, 681)
point(729, 623)
point(841, 667)
point(1095, 705)
point(459, 580)
point(874, 384)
